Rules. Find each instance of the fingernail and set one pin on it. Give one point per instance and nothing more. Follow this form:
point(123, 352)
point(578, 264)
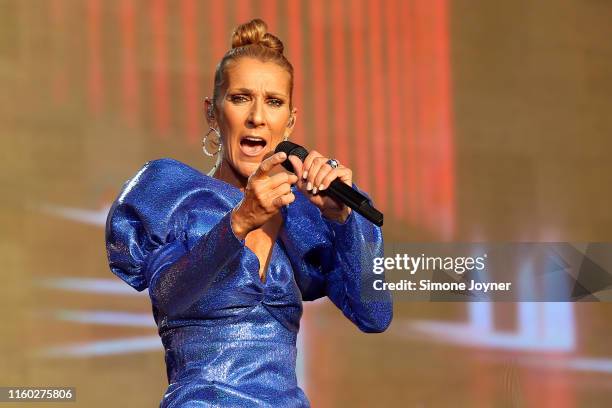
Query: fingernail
point(314, 190)
point(321, 187)
point(305, 175)
point(309, 186)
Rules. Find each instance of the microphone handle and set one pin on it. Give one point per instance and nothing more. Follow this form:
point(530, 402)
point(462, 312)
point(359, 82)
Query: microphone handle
point(355, 200)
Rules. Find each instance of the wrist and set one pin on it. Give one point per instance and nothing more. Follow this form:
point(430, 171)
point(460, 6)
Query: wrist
point(339, 216)
point(239, 224)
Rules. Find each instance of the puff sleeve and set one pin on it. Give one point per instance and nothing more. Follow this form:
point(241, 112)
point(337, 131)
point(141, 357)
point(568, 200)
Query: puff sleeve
point(149, 245)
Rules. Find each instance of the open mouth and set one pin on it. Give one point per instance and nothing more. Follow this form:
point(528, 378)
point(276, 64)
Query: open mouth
point(252, 145)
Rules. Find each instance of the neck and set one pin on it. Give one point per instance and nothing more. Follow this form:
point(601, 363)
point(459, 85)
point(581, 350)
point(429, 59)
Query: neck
point(226, 173)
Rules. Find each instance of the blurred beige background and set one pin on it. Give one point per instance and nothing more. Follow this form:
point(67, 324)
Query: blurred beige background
point(465, 120)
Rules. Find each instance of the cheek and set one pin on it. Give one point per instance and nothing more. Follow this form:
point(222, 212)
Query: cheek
point(280, 127)
point(230, 132)
point(233, 119)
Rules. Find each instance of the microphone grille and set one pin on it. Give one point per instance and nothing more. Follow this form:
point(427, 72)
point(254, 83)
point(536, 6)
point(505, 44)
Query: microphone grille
point(292, 148)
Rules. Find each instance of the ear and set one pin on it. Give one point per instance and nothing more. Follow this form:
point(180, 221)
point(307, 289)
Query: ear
point(291, 123)
point(209, 109)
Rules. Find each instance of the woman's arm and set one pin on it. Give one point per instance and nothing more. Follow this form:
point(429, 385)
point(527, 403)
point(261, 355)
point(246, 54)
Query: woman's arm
point(335, 260)
point(355, 244)
point(345, 260)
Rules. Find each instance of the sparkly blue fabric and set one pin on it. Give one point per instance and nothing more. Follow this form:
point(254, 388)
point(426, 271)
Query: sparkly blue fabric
point(230, 339)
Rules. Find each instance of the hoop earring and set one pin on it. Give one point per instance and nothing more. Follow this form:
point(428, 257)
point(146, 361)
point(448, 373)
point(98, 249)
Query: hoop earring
point(205, 140)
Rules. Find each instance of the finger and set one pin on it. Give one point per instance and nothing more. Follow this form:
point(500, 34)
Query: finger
point(341, 173)
point(314, 169)
point(280, 190)
point(270, 201)
point(308, 162)
point(297, 165)
point(281, 178)
point(269, 163)
point(284, 200)
point(345, 175)
point(263, 188)
point(323, 172)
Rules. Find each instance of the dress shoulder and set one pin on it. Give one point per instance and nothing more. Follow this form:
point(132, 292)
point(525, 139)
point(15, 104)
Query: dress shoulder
point(155, 208)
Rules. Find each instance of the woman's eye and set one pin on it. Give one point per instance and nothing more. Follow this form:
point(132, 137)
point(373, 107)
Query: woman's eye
point(276, 102)
point(238, 98)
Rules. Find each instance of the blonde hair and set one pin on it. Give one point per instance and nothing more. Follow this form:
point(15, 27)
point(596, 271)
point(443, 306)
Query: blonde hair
point(252, 40)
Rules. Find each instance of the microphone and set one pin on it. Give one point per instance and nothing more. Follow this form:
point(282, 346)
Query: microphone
point(337, 189)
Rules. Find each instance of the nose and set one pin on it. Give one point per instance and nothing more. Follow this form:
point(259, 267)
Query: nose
point(256, 115)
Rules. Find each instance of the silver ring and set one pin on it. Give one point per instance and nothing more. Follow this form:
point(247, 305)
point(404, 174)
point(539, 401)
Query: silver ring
point(333, 163)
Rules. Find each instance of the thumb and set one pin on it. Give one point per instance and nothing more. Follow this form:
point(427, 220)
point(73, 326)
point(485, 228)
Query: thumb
point(297, 165)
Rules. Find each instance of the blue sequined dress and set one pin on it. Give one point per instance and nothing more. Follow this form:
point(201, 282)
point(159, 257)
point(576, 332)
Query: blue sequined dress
point(229, 338)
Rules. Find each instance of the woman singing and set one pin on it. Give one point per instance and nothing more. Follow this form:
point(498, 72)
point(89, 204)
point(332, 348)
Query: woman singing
point(228, 259)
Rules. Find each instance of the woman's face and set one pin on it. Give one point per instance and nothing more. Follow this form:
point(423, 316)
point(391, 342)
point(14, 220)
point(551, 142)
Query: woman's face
point(253, 112)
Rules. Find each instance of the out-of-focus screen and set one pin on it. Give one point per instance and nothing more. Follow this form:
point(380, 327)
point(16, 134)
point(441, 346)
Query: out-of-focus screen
point(464, 121)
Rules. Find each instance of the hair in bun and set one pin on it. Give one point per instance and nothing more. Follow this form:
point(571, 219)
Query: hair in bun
point(252, 40)
point(256, 32)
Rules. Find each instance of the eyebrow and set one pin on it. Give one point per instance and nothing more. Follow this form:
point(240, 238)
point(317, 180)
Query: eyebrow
point(250, 92)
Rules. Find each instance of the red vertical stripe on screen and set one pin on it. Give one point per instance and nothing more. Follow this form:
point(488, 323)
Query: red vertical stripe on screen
point(339, 117)
point(431, 118)
point(95, 80)
point(408, 96)
point(446, 179)
point(377, 106)
point(319, 80)
point(191, 86)
point(218, 30)
point(129, 75)
point(359, 97)
point(426, 138)
point(421, 67)
point(434, 119)
point(269, 13)
point(160, 66)
point(243, 11)
point(434, 94)
point(295, 56)
point(395, 116)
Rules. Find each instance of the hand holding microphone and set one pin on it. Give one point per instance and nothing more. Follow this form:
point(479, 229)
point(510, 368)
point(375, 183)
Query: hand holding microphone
point(314, 177)
point(328, 185)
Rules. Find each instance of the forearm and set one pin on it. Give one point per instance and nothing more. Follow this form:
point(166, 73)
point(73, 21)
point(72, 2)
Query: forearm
point(356, 243)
